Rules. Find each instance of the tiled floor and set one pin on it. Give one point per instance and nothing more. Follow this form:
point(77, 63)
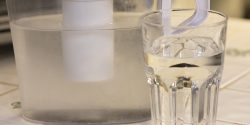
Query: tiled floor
point(242, 84)
point(6, 88)
point(234, 106)
point(234, 100)
point(235, 68)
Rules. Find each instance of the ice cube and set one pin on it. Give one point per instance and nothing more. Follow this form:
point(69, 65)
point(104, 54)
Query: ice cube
point(183, 47)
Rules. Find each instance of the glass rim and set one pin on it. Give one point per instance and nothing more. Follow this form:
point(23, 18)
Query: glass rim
point(217, 23)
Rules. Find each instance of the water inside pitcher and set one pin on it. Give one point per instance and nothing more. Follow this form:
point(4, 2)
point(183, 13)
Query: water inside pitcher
point(80, 60)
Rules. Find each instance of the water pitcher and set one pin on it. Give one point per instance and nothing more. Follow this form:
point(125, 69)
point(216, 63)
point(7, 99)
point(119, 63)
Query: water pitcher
point(80, 60)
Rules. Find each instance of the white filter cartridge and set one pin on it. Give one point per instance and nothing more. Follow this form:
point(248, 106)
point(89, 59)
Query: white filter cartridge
point(87, 52)
point(87, 13)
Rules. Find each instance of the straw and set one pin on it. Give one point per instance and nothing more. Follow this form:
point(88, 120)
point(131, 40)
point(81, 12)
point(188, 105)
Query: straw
point(200, 14)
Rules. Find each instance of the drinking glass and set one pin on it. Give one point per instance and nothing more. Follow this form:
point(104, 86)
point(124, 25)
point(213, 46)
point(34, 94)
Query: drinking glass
point(184, 67)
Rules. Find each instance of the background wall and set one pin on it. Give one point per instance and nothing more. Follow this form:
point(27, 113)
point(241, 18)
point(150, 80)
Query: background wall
point(233, 8)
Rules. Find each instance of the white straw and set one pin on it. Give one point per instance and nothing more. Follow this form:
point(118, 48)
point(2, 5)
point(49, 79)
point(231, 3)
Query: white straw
point(166, 16)
point(201, 13)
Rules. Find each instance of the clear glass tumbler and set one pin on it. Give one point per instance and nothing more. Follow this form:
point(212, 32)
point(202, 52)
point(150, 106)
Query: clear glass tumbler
point(184, 67)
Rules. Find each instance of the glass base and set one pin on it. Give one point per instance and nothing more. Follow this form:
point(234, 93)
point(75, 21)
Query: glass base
point(87, 117)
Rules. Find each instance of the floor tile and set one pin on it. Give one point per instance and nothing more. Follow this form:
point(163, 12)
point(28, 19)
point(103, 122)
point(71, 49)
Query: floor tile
point(7, 111)
point(242, 84)
point(226, 123)
point(235, 68)
point(5, 88)
point(234, 107)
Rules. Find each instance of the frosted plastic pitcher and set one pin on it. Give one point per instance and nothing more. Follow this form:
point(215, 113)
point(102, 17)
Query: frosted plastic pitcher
point(80, 60)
